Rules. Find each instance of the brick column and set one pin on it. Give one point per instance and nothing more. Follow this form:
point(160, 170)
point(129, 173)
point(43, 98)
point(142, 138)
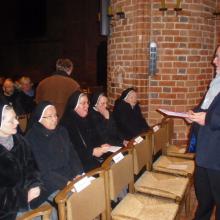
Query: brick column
point(218, 24)
point(127, 50)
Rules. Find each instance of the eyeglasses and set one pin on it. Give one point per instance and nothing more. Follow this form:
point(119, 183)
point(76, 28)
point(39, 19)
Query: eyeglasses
point(50, 116)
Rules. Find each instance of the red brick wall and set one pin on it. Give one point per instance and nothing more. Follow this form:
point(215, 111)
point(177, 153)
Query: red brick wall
point(127, 51)
point(218, 24)
point(186, 44)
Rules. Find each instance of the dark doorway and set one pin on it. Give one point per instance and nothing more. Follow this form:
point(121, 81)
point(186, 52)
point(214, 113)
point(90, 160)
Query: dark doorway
point(102, 64)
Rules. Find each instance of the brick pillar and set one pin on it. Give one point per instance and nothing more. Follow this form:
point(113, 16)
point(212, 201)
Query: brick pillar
point(218, 24)
point(127, 50)
point(186, 44)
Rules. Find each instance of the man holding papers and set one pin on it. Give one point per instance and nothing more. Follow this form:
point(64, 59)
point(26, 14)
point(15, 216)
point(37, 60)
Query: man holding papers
point(207, 175)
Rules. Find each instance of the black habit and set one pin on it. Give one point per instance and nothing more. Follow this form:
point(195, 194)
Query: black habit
point(129, 119)
point(18, 174)
point(106, 128)
point(82, 133)
point(55, 155)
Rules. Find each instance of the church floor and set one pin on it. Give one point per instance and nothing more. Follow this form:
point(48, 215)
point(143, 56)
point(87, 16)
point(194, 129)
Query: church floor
point(193, 204)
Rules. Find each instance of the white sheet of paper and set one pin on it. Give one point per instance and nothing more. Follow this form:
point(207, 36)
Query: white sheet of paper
point(82, 184)
point(113, 149)
point(156, 128)
point(91, 178)
point(175, 114)
point(138, 140)
point(177, 166)
point(118, 157)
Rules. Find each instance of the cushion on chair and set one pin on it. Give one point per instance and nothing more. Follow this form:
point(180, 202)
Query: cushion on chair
point(139, 207)
point(174, 165)
point(164, 185)
point(179, 151)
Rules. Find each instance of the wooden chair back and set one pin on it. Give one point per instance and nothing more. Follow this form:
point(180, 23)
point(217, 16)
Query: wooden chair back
point(86, 204)
point(160, 138)
point(143, 153)
point(43, 211)
point(118, 175)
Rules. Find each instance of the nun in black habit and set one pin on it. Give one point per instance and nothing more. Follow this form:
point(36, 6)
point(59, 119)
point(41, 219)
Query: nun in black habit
point(103, 120)
point(19, 177)
point(89, 145)
point(128, 116)
point(55, 155)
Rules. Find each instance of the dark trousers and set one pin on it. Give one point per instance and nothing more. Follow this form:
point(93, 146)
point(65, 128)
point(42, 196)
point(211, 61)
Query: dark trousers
point(207, 188)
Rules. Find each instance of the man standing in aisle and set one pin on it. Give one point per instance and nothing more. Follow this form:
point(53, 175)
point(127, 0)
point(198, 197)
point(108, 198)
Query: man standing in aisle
point(58, 87)
point(207, 174)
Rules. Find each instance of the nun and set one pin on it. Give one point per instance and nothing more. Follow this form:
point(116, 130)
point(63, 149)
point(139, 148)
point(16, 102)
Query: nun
point(19, 177)
point(55, 155)
point(103, 120)
point(90, 147)
point(128, 116)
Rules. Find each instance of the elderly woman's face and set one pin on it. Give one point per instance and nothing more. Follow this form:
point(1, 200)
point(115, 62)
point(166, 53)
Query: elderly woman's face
point(102, 103)
point(83, 106)
point(132, 98)
point(49, 118)
point(9, 123)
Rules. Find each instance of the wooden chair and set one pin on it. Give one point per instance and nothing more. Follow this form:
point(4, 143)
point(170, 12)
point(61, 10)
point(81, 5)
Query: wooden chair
point(180, 165)
point(86, 204)
point(168, 164)
point(133, 205)
point(43, 211)
point(153, 183)
point(171, 149)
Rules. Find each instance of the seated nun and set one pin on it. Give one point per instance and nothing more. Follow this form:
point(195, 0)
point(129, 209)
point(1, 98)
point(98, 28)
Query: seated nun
point(103, 120)
point(20, 181)
point(128, 116)
point(89, 145)
point(55, 155)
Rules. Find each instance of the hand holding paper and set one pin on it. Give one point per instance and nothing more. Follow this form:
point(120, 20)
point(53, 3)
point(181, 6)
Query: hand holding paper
point(198, 117)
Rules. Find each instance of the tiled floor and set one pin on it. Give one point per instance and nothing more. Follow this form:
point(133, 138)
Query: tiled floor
point(193, 204)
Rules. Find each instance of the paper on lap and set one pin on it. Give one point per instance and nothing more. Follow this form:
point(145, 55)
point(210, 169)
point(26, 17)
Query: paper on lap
point(113, 149)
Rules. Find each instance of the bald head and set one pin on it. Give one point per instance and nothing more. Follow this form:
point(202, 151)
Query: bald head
point(8, 87)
